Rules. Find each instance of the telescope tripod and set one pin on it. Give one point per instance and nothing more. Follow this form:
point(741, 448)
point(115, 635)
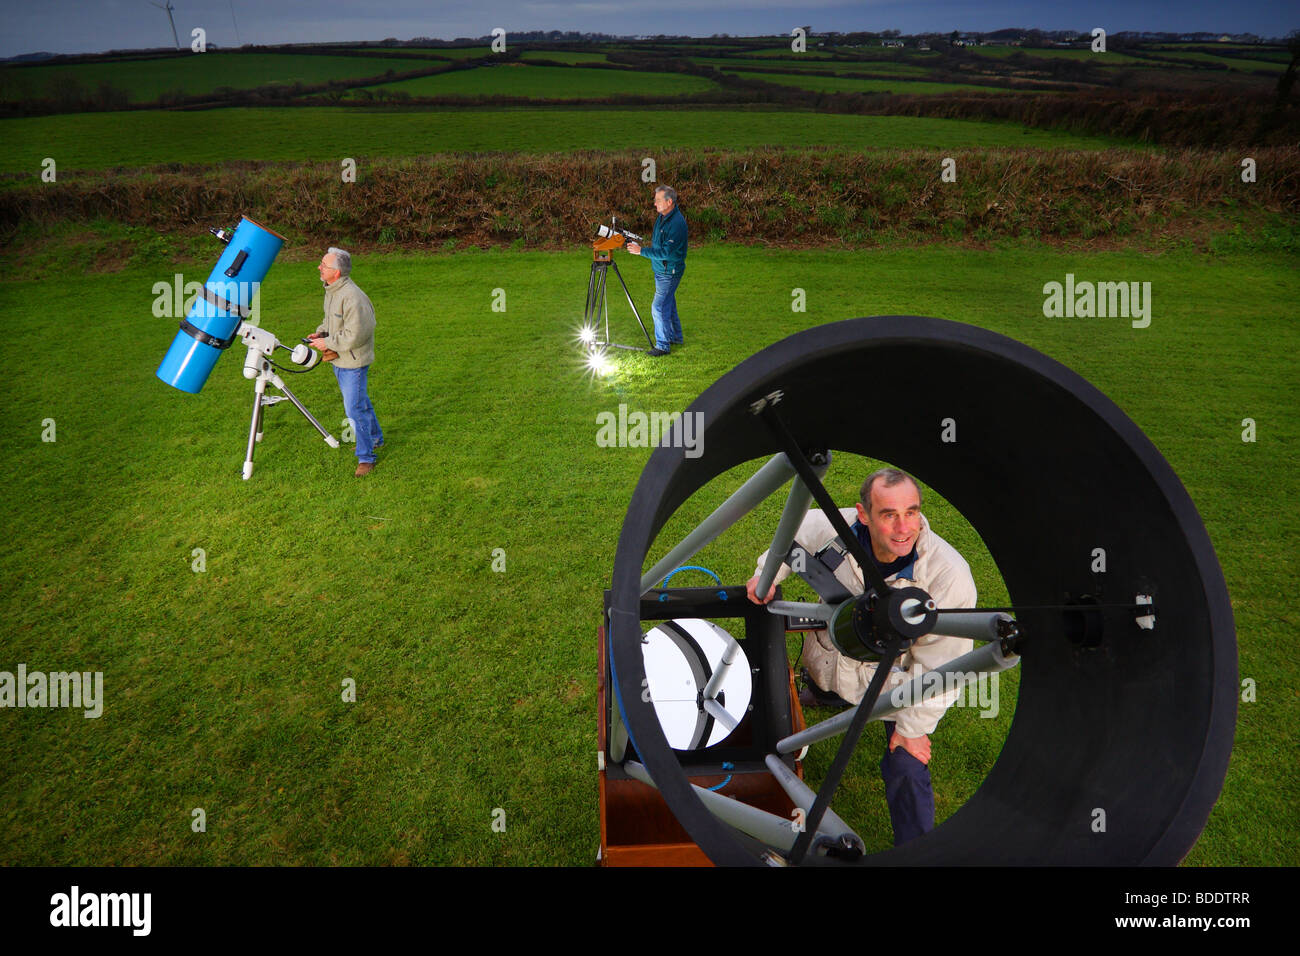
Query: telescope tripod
point(258, 366)
point(597, 309)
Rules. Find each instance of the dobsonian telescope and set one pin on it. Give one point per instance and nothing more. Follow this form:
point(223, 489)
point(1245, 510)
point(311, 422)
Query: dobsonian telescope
point(219, 316)
point(1115, 662)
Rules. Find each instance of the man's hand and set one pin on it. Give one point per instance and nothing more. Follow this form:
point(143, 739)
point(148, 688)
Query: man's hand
point(752, 584)
point(918, 747)
point(634, 248)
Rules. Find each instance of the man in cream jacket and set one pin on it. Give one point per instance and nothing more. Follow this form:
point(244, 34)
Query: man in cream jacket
point(348, 331)
point(898, 537)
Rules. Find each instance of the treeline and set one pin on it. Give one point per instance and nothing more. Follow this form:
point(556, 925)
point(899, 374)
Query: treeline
point(805, 198)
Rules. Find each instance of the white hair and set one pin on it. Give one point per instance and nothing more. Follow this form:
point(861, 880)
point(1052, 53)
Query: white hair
point(342, 260)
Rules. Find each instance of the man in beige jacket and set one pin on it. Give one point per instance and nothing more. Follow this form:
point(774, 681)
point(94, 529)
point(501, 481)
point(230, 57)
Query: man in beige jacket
point(893, 531)
point(348, 329)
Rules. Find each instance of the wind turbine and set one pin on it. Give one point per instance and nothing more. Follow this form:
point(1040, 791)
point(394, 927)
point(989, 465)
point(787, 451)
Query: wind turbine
point(169, 8)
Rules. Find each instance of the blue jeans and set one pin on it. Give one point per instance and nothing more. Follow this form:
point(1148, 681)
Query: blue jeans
point(356, 405)
point(907, 791)
point(668, 328)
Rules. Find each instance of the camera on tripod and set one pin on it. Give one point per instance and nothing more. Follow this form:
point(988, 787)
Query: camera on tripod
point(617, 235)
point(594, 334)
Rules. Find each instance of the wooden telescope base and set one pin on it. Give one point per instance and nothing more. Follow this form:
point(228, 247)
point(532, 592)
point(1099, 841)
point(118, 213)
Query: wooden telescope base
point(636, 826)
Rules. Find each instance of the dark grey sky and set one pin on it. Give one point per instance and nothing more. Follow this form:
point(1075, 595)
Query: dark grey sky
point(83, 26)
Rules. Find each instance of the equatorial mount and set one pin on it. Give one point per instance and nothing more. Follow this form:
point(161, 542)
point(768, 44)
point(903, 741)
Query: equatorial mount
point(259, 367)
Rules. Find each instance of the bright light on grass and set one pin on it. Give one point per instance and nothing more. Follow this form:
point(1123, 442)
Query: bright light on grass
point(587, 335)
point(600, 363)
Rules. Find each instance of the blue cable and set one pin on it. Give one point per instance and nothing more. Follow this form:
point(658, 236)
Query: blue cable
point(726, 765)
point(722, 595)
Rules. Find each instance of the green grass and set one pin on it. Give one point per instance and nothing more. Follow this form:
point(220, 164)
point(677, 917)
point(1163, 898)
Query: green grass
point(1239, 64)
point(841, 84)
point(869, 50)
point(564, 56)
point(476, 690)
point(104, 140)
point(428, 53)
point(1110, 57)
point(146, 80)
point(1249, 50)
point(784, 52)
point(795, 62)
point(440, 52)
point(548, 83)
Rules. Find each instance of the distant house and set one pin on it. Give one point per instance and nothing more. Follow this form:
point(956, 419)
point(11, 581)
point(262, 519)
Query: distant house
point(897, 43)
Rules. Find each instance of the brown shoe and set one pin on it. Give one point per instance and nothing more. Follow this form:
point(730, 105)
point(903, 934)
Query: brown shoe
point(364, 468)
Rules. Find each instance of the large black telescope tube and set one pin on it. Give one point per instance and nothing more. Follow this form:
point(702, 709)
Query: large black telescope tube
point(1121, 736)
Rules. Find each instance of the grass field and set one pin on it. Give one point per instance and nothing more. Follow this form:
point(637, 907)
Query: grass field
point(791, 62)
point(845, 84)
point(146, 80)
point(1231, 62)
point(547, 83)
point(475, 689)
point(106, 140)
point(564, 56)
point(437, 53)
point(1110, 57)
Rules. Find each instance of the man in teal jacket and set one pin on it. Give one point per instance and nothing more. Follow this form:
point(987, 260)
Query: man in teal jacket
point(667, 255)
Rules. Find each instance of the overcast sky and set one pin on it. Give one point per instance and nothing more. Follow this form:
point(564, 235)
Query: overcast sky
point(89, 26)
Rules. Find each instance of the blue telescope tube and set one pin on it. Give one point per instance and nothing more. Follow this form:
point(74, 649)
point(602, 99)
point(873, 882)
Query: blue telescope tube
point(210, 324)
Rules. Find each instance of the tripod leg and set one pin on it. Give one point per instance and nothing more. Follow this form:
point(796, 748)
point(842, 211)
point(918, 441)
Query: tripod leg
point(329, 439)
point(602, 302)
point(649, 340)
point(255, 427)
point(588, 320)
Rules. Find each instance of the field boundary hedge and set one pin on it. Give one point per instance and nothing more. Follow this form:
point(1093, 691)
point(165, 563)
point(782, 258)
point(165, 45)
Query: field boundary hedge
point(781, 197)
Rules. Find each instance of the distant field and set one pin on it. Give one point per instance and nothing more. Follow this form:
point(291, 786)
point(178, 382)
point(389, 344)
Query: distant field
point(450, 53)
point(103, 140)
point(737, 63)
point(1231, 62)
point(1107, 58)
point(564, 56)
point(841, 84)
point(146, 80)
point(546, 83)
point(786, 51)
point(1251, 49)
point(885, 66)
point(827, 68)
point(872, 50)
point(417, 52)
